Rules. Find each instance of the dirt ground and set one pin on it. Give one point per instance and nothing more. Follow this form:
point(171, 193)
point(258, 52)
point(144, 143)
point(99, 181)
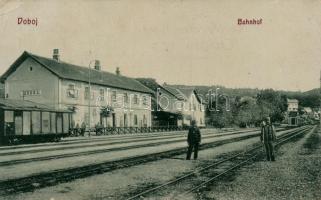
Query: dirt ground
point(296, 174)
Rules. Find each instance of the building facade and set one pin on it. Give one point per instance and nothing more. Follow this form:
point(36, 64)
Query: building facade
point(293, 112)
point(93, 95)
point(192, 106)
point(166, 107)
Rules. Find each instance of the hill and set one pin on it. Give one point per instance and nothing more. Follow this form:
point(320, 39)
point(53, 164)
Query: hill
point(309, 98)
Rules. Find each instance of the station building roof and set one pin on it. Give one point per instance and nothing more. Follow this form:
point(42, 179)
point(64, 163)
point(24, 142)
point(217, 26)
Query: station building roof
point(184, 93)
point(179, 95)
point(80, 73)
point(154, 86)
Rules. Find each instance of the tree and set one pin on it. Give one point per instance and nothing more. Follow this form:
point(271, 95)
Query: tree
point(246, 112)
point(218, 115)
point(272, 104)
point(106, 111)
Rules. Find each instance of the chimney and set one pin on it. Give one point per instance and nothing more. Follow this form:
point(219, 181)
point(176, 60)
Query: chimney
point(117, 71)
point(55, 55)
point(97, 65)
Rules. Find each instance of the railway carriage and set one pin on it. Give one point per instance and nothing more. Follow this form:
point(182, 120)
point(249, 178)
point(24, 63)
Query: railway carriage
point(26, 121)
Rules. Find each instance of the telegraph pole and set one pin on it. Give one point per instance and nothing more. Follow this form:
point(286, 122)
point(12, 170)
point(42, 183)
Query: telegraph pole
point(89, 100)
point(320, 102)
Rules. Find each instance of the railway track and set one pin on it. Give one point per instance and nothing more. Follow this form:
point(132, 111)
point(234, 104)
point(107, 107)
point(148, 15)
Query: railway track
point(32, 182)
point(92, 152)
point(113, 142)
point(103, 138)
point(235, 161)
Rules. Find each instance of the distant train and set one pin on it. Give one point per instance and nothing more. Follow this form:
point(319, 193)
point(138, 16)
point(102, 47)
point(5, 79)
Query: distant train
point(29, 122)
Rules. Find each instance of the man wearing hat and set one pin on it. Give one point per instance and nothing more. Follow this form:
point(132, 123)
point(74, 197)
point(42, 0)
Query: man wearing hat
point(193, 140)
point(268, 137)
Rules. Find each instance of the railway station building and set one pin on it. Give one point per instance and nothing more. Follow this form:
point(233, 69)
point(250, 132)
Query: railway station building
point(94, 96)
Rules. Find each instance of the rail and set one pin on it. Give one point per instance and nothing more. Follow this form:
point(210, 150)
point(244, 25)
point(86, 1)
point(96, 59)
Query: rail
point(243, 157)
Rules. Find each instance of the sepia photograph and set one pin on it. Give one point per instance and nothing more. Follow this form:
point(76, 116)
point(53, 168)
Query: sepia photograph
point(160, 99)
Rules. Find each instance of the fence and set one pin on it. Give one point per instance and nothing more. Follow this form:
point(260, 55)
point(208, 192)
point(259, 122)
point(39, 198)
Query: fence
point(127, 130)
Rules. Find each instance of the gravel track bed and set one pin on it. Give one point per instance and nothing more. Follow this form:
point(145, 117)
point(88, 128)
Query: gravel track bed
point(176, 191)
point(296, 174)
point(113, 185)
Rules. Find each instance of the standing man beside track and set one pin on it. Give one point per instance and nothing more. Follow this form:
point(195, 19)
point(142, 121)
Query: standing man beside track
point(193, 140)
point(268, 137)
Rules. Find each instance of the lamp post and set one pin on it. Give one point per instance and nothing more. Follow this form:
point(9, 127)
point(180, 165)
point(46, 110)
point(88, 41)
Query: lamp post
point(89, 100)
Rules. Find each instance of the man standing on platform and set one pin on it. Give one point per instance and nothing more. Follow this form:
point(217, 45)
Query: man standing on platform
point(268, 137)
point(83, 129)
point(193, 140)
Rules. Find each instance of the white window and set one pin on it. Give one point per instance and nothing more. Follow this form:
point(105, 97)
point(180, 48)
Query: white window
point(87, 93)
point(125, 97)
point(135, 99)
point(145, 100)
point(71, 86)
point(71, 91)
point(35, 92)
point(114, 96)
point(101, 94)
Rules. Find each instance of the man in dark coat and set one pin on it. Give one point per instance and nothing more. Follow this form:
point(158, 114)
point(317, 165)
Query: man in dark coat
point(193, 140)
point(268, 137)
point(83, 129)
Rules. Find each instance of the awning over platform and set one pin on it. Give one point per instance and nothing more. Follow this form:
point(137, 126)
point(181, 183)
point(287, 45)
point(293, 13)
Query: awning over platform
point(14, 104)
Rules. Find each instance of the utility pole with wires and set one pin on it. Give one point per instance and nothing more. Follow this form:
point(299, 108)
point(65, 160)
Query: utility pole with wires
point(320, 102)
point(89, 100)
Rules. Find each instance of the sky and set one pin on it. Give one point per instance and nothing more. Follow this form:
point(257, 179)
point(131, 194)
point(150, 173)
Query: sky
point(175, 41)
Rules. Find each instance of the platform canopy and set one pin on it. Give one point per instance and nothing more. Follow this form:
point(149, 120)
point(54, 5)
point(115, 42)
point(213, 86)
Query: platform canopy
point(14, 104)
